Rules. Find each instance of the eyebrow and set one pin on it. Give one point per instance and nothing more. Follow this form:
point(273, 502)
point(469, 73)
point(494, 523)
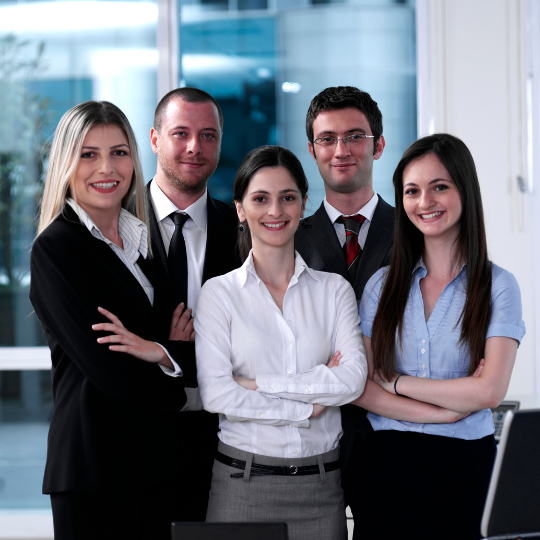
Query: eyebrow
point(263, 192)
point(330, 132)
point(188, 128)
point(434, 181)
point(99, 148)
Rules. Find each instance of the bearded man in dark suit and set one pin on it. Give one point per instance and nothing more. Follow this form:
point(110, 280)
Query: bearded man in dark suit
point(193, 239)
point(344, 130)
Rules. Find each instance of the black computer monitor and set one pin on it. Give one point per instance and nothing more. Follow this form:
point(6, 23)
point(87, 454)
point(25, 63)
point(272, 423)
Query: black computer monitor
point(512, 507)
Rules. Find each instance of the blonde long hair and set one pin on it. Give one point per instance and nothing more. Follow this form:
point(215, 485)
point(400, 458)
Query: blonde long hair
point(65, 153)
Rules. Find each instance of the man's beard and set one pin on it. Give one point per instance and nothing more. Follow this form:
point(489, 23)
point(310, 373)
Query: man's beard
point(189, 187)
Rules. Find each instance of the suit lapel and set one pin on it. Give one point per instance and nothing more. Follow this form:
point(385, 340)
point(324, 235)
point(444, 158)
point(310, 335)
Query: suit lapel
point(157, 243)
point(320, 233)
point(380, 238)
point(217, 242)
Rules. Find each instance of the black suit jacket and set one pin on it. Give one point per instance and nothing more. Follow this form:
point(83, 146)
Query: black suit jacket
point(317, 243)
point(114, 415)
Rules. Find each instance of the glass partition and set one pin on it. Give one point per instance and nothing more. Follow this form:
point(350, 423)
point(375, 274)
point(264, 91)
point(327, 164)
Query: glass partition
point(53, 55)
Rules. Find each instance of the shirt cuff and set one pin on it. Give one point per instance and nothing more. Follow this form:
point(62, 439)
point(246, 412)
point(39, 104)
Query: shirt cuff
point(177, 372)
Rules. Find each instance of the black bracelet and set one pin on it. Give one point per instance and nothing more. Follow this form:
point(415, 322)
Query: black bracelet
point(395, 385)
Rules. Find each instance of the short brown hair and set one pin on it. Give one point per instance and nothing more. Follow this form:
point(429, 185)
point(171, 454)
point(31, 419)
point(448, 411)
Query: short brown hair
point(191, 95)
point(345, 97)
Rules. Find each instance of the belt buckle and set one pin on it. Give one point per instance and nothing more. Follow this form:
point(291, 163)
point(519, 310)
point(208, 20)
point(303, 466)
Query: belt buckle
point(293, 469)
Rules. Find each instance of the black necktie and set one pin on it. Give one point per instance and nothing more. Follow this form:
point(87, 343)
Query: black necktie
point(177, 259)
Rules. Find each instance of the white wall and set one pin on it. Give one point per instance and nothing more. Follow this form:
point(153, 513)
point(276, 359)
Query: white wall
point(472, 66)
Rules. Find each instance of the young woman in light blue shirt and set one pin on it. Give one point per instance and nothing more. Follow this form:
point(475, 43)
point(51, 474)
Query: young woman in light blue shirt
point(441, 327)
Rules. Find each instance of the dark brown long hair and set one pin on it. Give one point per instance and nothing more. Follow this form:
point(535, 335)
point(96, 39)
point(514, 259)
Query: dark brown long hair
point(264, 156)
point(409, 245)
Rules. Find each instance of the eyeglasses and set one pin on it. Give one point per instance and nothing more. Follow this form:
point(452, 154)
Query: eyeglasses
point(354, 139)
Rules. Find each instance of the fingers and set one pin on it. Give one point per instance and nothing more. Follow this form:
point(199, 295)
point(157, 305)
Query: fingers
point(334, 361)
point(185, 319)
point(110, 316)
point(176, 314)
point(479, 369)
point(109, 327)
point(181, 317)
point(116, 338)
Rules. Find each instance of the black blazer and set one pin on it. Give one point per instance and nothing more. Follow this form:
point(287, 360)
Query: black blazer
point(113, 419)
point(317, 243)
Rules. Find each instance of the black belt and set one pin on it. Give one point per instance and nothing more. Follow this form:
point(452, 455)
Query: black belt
point(263, 470)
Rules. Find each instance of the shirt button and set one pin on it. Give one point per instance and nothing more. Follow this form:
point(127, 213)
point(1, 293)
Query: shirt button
point(423, 367)
point(424, 375)
point(289, 318)
point(289, 342)
point(296, 417)
point(271, 388)
point(289, 370)
point(260, 414)
point(423, 351)
point(295, 451)
point(423, 341)
point(307, 390)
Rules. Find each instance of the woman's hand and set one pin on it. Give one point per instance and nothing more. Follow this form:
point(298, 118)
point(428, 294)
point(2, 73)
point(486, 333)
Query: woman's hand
point(388, 385)
point(248, 384)
point(317, 410)
point(128, 342)
point(334, 361)
point(182, 324)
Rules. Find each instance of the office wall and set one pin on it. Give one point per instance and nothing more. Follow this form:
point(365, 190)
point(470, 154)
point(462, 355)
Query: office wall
point(473, 83)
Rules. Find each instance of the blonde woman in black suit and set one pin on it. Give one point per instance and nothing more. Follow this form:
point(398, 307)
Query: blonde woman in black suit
point(112, 438)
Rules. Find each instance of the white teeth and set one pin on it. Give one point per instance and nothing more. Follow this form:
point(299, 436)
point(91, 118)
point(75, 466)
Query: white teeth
point(430, 216)
point(105, 185)
point(274, 225)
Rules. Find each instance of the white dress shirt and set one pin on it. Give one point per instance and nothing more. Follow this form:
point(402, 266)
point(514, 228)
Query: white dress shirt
point(195, 233)
point(241, 331)
point(367, 211)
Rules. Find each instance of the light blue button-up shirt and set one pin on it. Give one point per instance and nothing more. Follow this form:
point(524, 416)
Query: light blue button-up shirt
point(431, 349)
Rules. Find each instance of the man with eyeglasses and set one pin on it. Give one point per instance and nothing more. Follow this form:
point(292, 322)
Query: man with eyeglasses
point(351, 234)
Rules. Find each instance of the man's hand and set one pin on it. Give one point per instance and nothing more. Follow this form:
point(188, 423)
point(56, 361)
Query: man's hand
point(181, 324)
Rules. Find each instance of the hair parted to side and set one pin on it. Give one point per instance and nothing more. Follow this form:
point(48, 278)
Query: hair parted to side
point(191, 95)
point(264, 156)
point(345, 97)
point(65, 152)
point(471, 250)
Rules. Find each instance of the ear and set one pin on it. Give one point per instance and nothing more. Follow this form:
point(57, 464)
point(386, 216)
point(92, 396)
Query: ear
point(312, 151)
point(154, 140)
point(379, 147)
point(240, 212)
point(303, 206)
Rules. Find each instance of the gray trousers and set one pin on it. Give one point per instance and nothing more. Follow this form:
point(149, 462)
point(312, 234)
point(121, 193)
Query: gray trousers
point(312, 506)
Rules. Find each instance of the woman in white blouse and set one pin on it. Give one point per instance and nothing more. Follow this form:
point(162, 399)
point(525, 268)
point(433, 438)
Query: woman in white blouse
point(265, 338)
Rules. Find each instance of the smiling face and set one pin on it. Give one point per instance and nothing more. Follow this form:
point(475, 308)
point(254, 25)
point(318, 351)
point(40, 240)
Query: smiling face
point(272, 206)
point(431, 199)
point(345, 168)
point(188, 145)
point(104, 172)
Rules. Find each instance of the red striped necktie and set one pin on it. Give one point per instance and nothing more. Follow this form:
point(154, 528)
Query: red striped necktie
point(352, 249)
